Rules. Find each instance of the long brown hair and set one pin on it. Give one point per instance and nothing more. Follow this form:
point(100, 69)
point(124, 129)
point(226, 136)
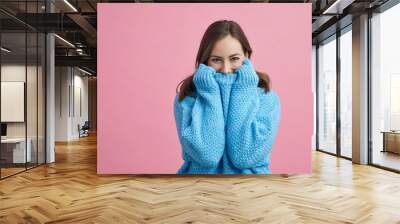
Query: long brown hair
point(215, 32)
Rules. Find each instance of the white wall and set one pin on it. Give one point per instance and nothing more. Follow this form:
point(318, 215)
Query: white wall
point(61, 103)
point(70, 83)
point(80, 84)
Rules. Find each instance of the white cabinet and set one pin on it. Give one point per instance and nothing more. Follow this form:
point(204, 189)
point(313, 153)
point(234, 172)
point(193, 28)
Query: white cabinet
point(18, 149)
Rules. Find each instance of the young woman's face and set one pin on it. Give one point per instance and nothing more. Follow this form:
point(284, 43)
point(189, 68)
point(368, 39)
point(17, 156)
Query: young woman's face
point(227, 55)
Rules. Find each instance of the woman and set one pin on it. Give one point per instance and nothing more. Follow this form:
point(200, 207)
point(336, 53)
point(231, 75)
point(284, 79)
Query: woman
point(226, 115)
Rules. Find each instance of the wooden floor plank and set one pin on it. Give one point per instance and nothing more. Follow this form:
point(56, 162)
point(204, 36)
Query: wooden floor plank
point(70, 191)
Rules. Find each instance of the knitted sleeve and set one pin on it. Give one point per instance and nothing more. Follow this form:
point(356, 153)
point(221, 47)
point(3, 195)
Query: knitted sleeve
point(253, 120)
point(200, 122)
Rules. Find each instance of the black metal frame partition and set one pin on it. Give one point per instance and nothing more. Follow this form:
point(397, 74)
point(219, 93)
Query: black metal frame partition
point(0, 89)
point(338, 34)
point(44, 101)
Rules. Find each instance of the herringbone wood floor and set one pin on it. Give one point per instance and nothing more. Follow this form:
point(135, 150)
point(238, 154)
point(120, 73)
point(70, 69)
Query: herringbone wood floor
point(70, 191)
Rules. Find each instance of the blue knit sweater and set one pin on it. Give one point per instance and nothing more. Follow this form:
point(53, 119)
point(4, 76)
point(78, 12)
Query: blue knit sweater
point(229, 126)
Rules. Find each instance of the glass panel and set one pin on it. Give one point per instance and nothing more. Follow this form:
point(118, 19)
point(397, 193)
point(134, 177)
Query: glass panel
point(346, 93)
point(386, 89)
point(31, 84)
point(13, 89)
point(22, 87)
point(327, 96)
point(41, 98)
point(31, 108)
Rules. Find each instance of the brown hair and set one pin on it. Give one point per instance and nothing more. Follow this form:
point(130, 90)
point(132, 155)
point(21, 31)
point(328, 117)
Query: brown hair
point(215, 32)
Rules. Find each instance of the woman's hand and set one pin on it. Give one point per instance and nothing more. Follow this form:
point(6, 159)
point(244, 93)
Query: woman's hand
point(200, 120)
point(253, 120)
point(246, 74)
point(204, 78)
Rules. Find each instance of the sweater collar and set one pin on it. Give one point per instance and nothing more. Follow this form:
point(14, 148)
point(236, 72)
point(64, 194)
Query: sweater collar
point(228, 78)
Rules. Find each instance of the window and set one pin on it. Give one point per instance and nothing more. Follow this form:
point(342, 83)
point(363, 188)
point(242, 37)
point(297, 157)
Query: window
point(327, 95)
point(346, 93)
point(385, 88)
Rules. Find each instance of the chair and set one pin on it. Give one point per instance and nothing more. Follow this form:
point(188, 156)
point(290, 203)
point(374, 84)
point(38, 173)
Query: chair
point(84, 130)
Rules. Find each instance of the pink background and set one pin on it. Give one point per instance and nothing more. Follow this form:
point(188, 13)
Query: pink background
point(146, 49)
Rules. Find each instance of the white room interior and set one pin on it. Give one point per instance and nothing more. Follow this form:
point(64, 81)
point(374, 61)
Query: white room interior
point(71, 102)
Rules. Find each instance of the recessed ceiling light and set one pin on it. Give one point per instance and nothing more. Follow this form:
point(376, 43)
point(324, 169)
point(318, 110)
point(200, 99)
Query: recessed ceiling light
point(337, 7)
point(5, 50)
point(70, 5)
point(84, 71)
point(64, 40)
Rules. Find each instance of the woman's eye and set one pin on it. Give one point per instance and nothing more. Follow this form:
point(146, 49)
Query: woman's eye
point(215, 60)
point(235, 59)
